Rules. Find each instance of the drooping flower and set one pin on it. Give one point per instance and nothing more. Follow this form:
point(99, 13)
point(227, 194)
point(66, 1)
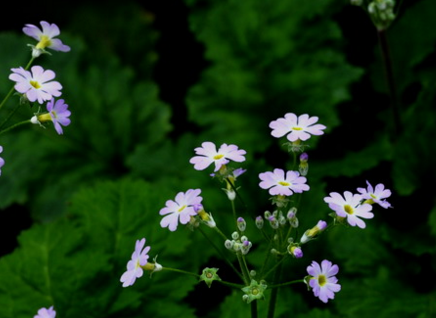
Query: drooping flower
point(207, 154)
point(323, 280)
point(2, 161)
point(46, 313)
point(37, 84)
point(58, 113)
point(135, 265)
point(376, 195)
point(181, 209)
point(349, 207)
point(45, 38)
point(279, 184)
point(296, 128)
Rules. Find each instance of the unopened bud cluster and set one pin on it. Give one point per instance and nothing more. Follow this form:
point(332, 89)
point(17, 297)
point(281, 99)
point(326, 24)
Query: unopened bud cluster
point(382, 13)
point(238, 244)
point(277, 219)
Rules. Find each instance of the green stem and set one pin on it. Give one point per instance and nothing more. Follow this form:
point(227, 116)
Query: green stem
point(244, 269)
point(238, 286)
point(275, 266)
point(236, 191)
point(11, 113)
point(274, 292)
point(15, 126)
point(180, 271)
point(219, 251)
point(387, 62)
point(287, 283)
point(253, 309)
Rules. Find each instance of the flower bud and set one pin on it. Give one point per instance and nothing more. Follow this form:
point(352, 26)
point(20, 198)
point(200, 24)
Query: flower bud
point(259, 222)
point(311, 233)
point(229, 244)
point(235, 235)
point(295, 251)
point(241, 224)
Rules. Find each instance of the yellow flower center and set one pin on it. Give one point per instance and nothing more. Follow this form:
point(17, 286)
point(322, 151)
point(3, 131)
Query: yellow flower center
point(255, 291)
point(322, 280)
point(44, 41)
point(181, 209)
point(348, 209)
point(45, 117)
point(297, 128)
point(35, 84)
point(373, 196)
point(217, 157)
point(284, 183)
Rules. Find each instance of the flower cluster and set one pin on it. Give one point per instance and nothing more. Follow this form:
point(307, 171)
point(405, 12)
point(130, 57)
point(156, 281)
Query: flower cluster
point(187, 209)
point(355, 207)
point(38, 85)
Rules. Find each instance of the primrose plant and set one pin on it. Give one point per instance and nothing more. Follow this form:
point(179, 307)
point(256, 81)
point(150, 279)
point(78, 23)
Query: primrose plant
point(37, 85)
point(277, 227)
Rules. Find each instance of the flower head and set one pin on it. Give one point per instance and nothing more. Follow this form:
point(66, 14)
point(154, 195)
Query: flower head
point(323, 280)
point(46, 38)
point(375, 195)
point(181, 209)
point(58, 113)
point(296, 128)
point(2, 161)
point(36, 84)
point(207, 154)
point(134, 266)
point(279, 184)
point(349, 207)
point(46, 313)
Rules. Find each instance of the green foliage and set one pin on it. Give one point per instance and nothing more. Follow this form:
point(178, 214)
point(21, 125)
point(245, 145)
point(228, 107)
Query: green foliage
point(263, 65)
point(75, 262)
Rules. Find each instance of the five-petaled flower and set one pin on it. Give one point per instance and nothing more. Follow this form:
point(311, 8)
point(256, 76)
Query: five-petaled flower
point(37, 84)
point(279, 184)
point(58, 113)
point(46, 313)
point(376, 195)
point(207, 154)
point(45, 38)
point(296, 128)
point(349, 207)
point(181, 209)
point(2, 161)
point(323, 280)
point(136, 264)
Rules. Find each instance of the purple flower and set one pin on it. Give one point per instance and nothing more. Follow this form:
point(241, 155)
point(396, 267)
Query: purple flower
point(279, 184)
point(296, 251)
point(46, 313)
point(297, 128)
point(181, 209)
point(323, 280)
point(376, 195)
point(208, 155)
point(46, 38)
point(349, 207)
point(2, 161)
point(36, 84)
point(134, 266)
point(59, 114)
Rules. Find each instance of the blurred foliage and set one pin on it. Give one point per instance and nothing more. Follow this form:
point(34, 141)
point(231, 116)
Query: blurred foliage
point(89, 204)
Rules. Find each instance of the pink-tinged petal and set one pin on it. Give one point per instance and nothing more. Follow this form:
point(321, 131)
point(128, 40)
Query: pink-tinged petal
point(293, 136)
point(185, 216)
point(170, 221)
point(302, 120)
point(57, 45)
point(51, 30)
point(23, 87)
point(36, 71)
point(299, 188)
point(279, 174)
point(316, 129)
point(370, 189)
point(200, 163)
point(208, 148)
point(280, 190)
point(46, 76)
point(292, 119)
point(280, 128)
point(128, 278)
point(32, 31)
point(32, 95)
point(219, 163)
